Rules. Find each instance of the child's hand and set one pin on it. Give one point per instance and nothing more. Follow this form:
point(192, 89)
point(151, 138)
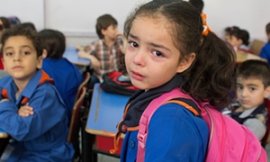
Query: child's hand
point(83, 54)
point(25, 111)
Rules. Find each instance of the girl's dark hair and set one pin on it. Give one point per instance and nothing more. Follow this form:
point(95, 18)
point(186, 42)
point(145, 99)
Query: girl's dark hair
point(103, 22)
point(241, 34)
point(54, 42)
point(19, 31)
point(255, 69)
point(210, 76)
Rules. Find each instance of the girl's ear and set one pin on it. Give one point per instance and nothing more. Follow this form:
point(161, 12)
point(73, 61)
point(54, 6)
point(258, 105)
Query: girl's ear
point(186, 62)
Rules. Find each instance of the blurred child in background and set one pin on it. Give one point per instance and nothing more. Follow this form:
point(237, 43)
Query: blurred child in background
point(67, 77)
point(253, 87)
point(265, 51)
point(106, 53)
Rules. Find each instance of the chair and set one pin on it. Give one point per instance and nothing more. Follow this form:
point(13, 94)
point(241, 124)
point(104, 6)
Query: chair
point(74, 126)
point(256, 46)
point(86, 79)
point(266, 138)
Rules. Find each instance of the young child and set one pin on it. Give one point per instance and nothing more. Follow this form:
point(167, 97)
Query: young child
point(4, 24)
point(228, 32)
point(170, 46)
point(105, 54)
point(253, 87)
point(67, 77)
point(265, 52)
point(239, 40)
point(31, 110)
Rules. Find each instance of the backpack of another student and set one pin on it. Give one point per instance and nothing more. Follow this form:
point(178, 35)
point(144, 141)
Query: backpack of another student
point(229, 141)
point(116, 82)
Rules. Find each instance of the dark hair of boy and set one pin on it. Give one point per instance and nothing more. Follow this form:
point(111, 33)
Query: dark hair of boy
point(54, 42)
point(29, 25)
point(103, 22)
point(19, 31)
point(255, 69)
point(267, 29)
point(5, 21)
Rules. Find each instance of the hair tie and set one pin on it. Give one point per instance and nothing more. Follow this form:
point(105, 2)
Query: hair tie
point(206, 28)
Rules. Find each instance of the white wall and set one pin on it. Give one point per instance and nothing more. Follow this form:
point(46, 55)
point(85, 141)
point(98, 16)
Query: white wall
point(251, 15)
point(25, 10)
point(76, 18)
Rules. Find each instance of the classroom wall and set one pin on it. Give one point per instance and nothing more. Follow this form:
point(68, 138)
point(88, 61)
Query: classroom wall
point(251, 15)
point(25, 10)
point(77, 18)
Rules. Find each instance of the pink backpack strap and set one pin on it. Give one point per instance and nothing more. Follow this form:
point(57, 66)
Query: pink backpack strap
point(146, 116)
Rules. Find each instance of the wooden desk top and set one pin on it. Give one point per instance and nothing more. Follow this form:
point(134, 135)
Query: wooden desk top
point(3, 134)
point(242, 56)
point(72, 55)
point(106, 110)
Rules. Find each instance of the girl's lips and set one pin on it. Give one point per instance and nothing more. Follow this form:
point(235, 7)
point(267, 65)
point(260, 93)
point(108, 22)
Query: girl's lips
point(137, 76)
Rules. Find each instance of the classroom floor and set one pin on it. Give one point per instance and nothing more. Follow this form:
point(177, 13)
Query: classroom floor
point(105, 158)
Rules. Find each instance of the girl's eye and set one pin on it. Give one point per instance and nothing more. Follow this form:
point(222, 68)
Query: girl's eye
point(158, 53)
point(133, 44)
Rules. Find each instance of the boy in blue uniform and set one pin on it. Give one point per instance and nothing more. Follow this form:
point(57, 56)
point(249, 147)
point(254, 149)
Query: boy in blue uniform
point(31, 110)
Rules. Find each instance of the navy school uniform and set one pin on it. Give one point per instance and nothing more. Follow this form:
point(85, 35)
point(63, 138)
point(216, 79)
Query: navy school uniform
point(40, 137)
point(174, 134)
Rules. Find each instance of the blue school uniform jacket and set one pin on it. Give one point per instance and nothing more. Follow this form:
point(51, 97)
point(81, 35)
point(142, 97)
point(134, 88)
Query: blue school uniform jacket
point(174, 135)
point(40, 137)
point(67, 78)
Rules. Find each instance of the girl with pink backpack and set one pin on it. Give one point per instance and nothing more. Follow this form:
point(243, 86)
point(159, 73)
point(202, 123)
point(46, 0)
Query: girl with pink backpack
point(184, 72)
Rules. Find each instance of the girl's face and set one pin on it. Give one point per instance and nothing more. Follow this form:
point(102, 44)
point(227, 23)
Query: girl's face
point(251, 92)
point(20, 58)
point(151, 57)
point(234, 41)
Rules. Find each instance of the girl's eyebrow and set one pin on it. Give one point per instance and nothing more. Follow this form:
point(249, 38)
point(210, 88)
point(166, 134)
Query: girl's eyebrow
point(152, 44)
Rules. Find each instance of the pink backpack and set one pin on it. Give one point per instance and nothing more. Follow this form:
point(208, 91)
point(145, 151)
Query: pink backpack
point(229, 141)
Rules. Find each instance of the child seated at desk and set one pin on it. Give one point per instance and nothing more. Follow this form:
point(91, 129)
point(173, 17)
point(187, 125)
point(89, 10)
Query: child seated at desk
point(265, 51)
point(253, 87)
point(67, 77)
point(106, 53)
point(31, 110)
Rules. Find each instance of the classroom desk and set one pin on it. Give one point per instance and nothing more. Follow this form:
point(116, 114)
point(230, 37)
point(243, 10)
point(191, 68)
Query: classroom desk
point(72, 55)
point(242, 56)
point(105, 112)
point(3, 134)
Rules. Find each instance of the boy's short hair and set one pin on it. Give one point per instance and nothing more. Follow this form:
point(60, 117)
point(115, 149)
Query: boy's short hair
point(103, 22)
point(21, 31)
point(255, 68)
point(267, 28)
point(54, 42)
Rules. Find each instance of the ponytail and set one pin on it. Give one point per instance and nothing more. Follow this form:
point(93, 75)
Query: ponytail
point(211, 76)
